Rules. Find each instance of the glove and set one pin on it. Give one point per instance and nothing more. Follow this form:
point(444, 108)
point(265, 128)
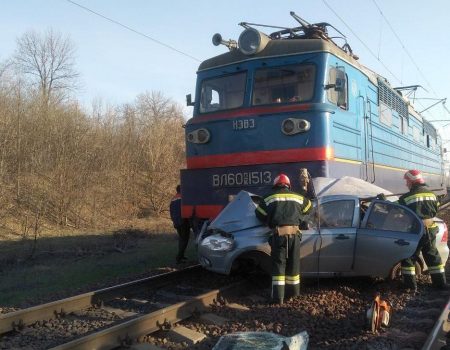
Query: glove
point(381, 196)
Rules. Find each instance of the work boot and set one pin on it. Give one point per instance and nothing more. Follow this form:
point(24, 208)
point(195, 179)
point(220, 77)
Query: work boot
point(409, 284)
point(409, 288)
point(275, 301)
point(438, 281)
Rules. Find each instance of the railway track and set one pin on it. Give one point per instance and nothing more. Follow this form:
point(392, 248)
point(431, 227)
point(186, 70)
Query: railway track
point(437, 340)
point(151, 311)
point(111, 317)
point(19, 319)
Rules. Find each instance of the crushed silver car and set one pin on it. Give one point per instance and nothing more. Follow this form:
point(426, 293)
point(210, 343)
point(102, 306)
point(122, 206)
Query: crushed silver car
point(348, 236)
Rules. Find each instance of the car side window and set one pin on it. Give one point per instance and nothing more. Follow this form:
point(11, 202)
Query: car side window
point(389, 217)
point(337, 213)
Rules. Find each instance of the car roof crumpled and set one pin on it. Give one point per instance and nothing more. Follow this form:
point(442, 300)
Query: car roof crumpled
point(327, 186)
point(239, 214)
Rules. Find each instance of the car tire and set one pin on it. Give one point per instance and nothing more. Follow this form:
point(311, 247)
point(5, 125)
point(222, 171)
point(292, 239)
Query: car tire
point(251, 261)
point(396, 271)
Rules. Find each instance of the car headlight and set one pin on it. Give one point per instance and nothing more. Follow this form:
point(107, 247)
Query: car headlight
point(218, 243)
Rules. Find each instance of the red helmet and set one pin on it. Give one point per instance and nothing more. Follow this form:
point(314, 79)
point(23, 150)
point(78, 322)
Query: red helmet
point(282, 180)
point(413, 177)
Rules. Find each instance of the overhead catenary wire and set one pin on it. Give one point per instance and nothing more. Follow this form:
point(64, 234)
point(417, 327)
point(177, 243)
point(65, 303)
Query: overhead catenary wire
point(377, 56)
point(403, 46)
point(412, 60)
point(360, 40)
point(159, 42)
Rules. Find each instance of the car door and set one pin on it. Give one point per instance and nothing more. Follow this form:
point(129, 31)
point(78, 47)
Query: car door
point(389, 233)
point(328, 249)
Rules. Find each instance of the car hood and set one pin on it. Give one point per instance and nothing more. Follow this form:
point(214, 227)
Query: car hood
point(238, 215)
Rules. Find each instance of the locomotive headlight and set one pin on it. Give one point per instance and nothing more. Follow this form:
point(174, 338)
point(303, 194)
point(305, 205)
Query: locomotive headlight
point(218, 243)
point(203, 135)
point(199, 136)
point(252, 41)
point(303, 124)
point(292, 126)
point(288, 126)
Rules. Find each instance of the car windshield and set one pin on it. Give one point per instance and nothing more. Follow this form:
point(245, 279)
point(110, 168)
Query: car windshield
point(222, 93)
point(287, 84)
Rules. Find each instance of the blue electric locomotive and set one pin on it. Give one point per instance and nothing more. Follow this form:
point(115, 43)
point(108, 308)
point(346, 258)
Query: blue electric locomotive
point(295, 99)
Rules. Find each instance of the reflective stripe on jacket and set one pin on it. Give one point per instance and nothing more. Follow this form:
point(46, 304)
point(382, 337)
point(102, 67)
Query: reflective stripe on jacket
point(283, 207)
point(422, 201)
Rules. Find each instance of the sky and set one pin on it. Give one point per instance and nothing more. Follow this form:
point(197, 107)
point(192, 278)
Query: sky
point(406, 41)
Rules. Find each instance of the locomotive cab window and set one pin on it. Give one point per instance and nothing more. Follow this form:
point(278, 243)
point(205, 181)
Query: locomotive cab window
point(337, 87)
point(287, 84)
point(222, 93)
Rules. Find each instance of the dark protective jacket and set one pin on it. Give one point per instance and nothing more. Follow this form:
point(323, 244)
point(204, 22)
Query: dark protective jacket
point(175, 211)
point(421, 200)
point(283, 207)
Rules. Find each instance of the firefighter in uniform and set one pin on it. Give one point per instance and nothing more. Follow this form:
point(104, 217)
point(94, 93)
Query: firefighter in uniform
point(425, 204)
point(282, 210)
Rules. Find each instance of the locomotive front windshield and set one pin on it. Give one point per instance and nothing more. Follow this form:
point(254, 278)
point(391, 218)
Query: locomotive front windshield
point(282, 84)
point(223, 93)
point(285, 84)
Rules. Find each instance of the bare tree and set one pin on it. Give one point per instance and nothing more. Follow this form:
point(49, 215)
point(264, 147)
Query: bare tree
point(4, 66)
point(49, 60)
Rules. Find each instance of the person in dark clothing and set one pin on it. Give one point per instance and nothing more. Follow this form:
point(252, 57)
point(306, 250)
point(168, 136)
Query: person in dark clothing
point(425, 204)
point(181, 225)
point(282, 210)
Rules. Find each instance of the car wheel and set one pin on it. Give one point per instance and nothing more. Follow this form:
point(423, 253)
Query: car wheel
point(396, 271)
point(251, 261)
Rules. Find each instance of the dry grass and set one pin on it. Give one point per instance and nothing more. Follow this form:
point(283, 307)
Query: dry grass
point(11, 230)
point(66, 263)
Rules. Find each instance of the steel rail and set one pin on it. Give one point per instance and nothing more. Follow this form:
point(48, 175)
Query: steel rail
point(17, 319)
point(437, 338)
point(124, 333)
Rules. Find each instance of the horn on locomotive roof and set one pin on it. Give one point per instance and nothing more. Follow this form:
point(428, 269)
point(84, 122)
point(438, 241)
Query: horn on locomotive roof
point(217, 40)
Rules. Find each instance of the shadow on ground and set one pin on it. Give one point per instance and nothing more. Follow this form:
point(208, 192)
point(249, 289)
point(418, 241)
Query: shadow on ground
point(33, 272)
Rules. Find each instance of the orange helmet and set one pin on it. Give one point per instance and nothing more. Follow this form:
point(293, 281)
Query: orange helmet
point(282, 180)
point(413, 177)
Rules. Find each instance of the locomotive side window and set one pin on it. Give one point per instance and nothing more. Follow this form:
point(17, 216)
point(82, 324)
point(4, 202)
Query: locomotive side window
point(287, 84)
point(385, 114)
point(222, 93)
point(403, 125)
point(337, 87)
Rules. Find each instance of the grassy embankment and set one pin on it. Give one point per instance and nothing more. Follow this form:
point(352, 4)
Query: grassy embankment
point(69, 263)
